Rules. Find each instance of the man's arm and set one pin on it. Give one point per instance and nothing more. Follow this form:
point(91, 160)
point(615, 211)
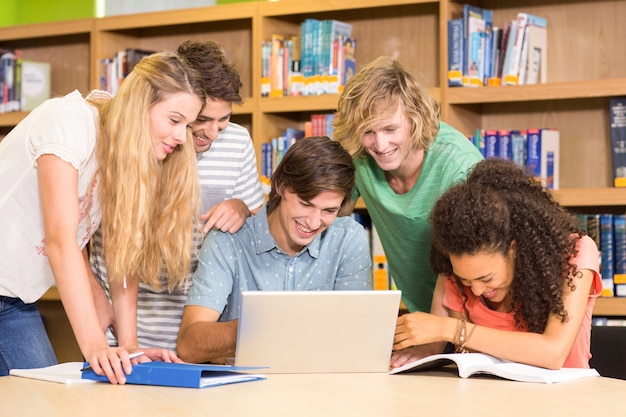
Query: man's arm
point(203, 339)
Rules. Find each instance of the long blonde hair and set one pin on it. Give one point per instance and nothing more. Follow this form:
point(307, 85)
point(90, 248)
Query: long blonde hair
point(148, 206)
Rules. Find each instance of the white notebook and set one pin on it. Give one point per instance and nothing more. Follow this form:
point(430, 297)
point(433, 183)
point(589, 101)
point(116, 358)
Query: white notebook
point(317, 331)
point(64, 373)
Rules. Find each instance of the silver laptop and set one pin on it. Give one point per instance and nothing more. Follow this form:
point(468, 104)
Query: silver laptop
point(317, 331)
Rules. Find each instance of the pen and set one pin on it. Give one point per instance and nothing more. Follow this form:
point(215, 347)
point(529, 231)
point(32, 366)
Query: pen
point(131, 356)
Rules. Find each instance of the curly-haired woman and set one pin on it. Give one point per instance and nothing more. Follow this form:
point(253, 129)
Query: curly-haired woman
point(517, 280)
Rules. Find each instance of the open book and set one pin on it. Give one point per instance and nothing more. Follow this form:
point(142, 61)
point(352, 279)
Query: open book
point(469, 364)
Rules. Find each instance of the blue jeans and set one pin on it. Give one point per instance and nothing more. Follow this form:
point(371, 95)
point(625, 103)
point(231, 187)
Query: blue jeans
point(24, 342)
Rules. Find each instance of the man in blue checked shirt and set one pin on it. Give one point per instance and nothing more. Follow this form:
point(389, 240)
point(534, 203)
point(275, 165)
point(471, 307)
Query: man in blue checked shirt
point(297, 241)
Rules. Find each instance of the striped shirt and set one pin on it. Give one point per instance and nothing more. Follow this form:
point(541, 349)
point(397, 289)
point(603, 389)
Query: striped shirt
point(227, 170)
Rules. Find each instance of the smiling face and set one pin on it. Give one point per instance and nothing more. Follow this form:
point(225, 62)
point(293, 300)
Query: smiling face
point(213, 118)
point(489, 275)
point(169, 120)
point(295, 222)
point(389, 141)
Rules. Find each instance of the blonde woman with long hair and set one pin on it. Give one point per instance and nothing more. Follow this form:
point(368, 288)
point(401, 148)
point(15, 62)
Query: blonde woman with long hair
point(73, 163)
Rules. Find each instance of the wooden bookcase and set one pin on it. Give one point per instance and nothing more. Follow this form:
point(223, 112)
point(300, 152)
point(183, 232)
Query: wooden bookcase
point(586, 55)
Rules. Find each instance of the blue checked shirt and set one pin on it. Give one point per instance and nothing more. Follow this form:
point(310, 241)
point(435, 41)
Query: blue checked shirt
point(249, 260)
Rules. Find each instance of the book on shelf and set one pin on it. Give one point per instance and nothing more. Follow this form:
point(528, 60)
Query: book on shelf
point(349, 59)
point(619, 255)
point(608, 231)
point(9, 65)
point(504, 45)
point(492, 149)
point(276, 66)
point(504, 144)
point(475, 60)
point(133, 56)
point(493, 57)
point(534, 62)
point(455, 52)
point(473, 364)
point(518, 147)
point(542, 156)
point(149, 373)
point(34, 84)
point(477, 23)
point(617, 119)
point(296, 78)
point(511, 71)
point(607, 247)
point(333, 34)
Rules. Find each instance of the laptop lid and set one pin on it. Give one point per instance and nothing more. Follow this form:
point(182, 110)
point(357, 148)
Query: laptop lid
point(317, 331)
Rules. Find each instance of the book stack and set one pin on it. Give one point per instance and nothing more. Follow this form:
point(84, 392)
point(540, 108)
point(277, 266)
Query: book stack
point(273, 151)
point(481, 54)
point(608, 230)
point(24, 83)
point(113, 70)
point(318, 60)
point(535, 149)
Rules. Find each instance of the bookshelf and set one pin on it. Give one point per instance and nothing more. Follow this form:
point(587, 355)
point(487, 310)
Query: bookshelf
point(587, 66)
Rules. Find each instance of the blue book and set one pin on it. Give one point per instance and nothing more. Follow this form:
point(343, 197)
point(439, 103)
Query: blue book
point(476, 13)
point(492, 148)
point(619, 261)
point(455, 52)
point(617, 119)
point(542, 156)
point(505, 150)
point(182, 375)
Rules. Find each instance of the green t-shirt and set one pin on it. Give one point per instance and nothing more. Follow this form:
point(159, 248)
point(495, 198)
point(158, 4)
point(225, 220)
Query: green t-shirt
point(401, 220)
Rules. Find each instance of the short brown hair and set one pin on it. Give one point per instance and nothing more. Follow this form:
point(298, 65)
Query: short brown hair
point(310, 166)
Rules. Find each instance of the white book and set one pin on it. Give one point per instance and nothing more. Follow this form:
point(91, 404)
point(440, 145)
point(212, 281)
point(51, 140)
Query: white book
point(64, 373)
point(537, 55)
point(469, 364)
point(511, 76)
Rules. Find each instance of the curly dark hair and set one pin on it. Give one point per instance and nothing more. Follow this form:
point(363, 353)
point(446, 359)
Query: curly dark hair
point(498, 204)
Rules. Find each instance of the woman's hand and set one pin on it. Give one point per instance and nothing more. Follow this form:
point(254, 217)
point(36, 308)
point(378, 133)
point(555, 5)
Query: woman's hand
point(419, 329)
point(114, 362)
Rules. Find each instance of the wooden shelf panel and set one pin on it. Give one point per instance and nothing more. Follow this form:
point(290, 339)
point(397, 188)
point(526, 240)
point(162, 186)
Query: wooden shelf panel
point(591, 197)
point(46, 30)
point(550, 91)
point(10, 119)
point(610, 306)
point(324, 102)
point(291, 7)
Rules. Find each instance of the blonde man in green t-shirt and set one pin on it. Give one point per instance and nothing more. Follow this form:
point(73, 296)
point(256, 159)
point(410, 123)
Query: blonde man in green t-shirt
point(405, 158)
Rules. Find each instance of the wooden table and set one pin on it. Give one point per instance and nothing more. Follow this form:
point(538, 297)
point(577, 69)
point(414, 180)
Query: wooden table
point(437, 393)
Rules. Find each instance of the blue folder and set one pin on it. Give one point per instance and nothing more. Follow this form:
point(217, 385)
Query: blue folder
point(183, 374)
